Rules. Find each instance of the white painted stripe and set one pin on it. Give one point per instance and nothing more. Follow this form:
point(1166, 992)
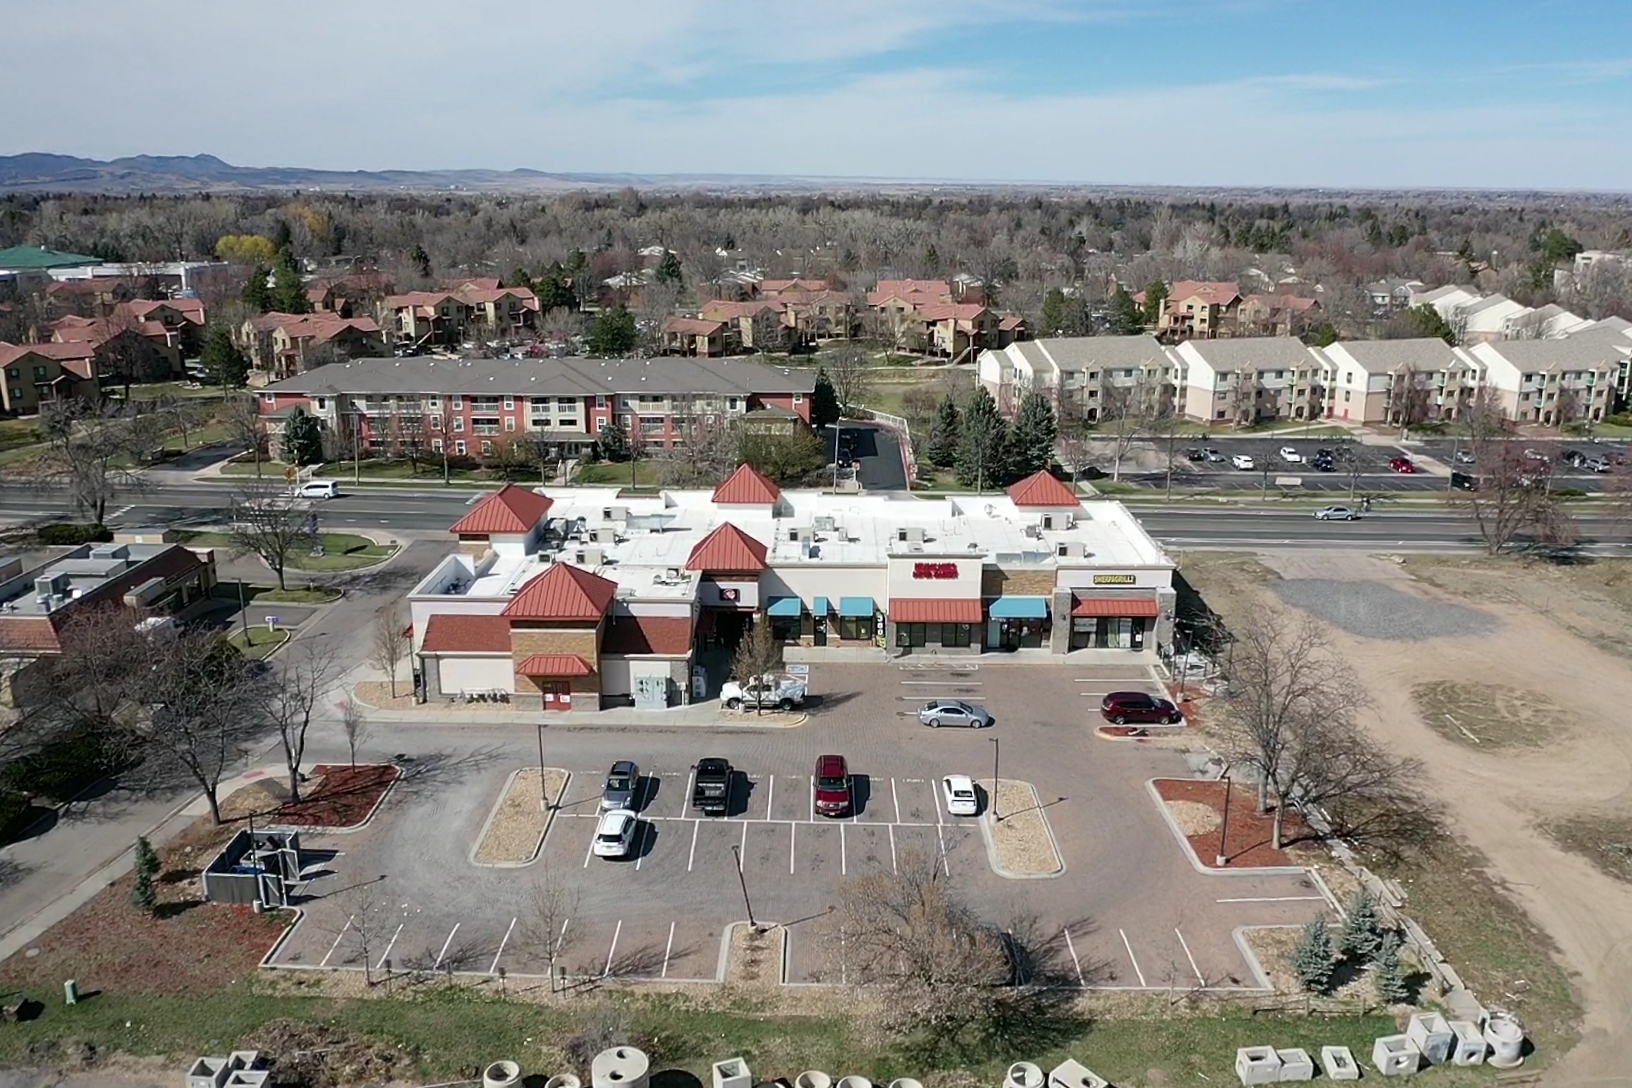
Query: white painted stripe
point(613, 951)
point(793, 833)
point(843, 864)
point(770, 796)
point(1072, 948)
point(495, 968)
point(667, 949)
point(743, 848)
point(389, 946)
point(1135, 962)
point(896, 797)
point(685, 798)
point(445, 944)
point(894, 868)
point(691, 858)
point(943, 683)
point(324, 962)
point(1275, 899)
point(1187, 955)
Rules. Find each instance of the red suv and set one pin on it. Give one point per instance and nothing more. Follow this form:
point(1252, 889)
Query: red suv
point(832, 786)
point(1122, 707)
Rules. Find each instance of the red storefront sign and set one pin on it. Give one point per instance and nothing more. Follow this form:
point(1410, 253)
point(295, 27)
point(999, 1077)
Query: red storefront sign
point(936, 571)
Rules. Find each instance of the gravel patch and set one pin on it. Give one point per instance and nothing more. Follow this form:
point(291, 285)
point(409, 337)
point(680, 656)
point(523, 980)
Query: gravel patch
point(377, 694)
point(516, 829)
point(1373, 610)
point(1021, 839)
point(755, 959)
point(1194, 818)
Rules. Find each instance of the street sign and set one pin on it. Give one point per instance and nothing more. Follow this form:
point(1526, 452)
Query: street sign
point(291, 473)
point(798, 670)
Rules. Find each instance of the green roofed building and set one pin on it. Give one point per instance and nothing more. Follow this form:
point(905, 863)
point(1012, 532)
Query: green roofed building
point(40, 259)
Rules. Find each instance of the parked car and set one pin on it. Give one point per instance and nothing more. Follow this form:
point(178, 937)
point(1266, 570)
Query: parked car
point(1337, 513)
point(1573, 458)
point(1322, 461)
point(1402, 464)
point(615, 835)
point(622, 783)
point(1242, 461)
point(1596, 464)
point(954, 712)
point(1193, 454)
point(833, 794)
point(318, 489)
point(1212, 455)
point(1290, 455)
point(711, 786)
point(1464, 481)
point(1535, 455)
point(1122, 707)
point(762, 692)
point(1464, 457)
point(958, 791)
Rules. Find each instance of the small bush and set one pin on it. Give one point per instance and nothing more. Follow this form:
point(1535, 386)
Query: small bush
point(13, 805)
point(1390, 976)
point(1569, 493)
point(1362, 933)
point(63, 768)
point(72, 533)
point(1314, 959)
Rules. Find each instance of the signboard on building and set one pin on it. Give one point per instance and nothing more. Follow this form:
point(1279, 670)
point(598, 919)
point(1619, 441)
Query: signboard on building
point(936, 571)
point(1116, 579)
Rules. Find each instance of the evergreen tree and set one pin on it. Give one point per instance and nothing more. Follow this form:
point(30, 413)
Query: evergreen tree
point(1426, 321)
point(983, 449)
point(422, 261)
point(1035, 432)
point(668, 269)
point(1126, 317)
point(612, 443)
point(1323, 335)
point(1388, 974)
point(302, 441)
point(147, 859)
point(945, 434)
point(1065, 315)
point(1314, 959)
point(257, 295)
point(613, 333)
point(824, 402)
point(554, 289)
point(1362, 931)
point(288, 287)
point(142, 893)
point(1155, 295)
point(222, 360)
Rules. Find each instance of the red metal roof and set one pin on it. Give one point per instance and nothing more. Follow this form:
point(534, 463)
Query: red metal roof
point(935, 610)
point(747, 486)
point(1105, 604)
point(510, 509)
point(1042, 489)
point(564, 592)
point(555, 665)
point(647, 635)
point(453, 633)
point(727, 548)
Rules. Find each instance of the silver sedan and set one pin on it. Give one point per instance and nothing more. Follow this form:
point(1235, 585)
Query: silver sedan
point(954, 712)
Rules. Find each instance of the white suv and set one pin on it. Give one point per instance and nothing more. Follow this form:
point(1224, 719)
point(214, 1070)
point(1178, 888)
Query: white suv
point(1242, 461)
point(318, 489)
point(958, 790)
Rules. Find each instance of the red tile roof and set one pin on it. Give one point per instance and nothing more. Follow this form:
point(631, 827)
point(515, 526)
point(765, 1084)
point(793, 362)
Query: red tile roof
point(747, 487)
point(564, 592)
point(1105, 604)
point(727, 548)
point(451, 632)
point(935, 610)
point(691, 326)
point(554, 665)
point(648, 635)
point(510, 509)
point(776, 287)
point(725, 310)
point(1042, 489)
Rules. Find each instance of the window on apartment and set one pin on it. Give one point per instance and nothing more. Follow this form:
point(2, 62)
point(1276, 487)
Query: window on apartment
point(458, 423)
point(570, 403)
point(436, 445)
point(267, 397)
point(1220, 414)
point(732, 403)
point(1348, 377)
point(798, 398)
point(509, 404)
point(651, 424)
point(600, 401)
point(436, 423)
point(436, 404)
point(487, 448)
point(13, 374)
point(39, 372)
point(509, 423)
point(458, 403)
point(1346, 396)
point(459, 447)
point(1280, 374)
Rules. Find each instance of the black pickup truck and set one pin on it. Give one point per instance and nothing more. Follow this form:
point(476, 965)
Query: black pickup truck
point(711, 790)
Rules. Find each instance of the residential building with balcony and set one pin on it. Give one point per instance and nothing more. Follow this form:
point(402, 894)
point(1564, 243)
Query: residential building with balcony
point(36, 374)
point(1239, 382)
point(1079, 374)
point(446, 318)
point(282, 345)
point(1556, 382)
point(1383, 381)
point(1197, 309)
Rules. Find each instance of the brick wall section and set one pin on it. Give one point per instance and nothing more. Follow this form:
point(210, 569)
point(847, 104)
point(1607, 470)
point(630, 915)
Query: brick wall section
point(527, 639)
point(998, 582)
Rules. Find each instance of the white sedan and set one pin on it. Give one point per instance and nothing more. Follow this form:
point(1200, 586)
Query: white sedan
point(1242, 461)
point(1291, 456)
point(615, 834)
point(1337, 513)
point(958, 790)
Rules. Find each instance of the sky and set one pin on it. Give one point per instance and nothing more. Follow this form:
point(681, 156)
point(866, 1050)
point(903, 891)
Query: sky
point(1493, 94)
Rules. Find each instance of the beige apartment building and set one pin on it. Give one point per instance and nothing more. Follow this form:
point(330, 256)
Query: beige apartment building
point(1385, 381)
point(1246, 381)
point(1079, 373)
point(1554, 382)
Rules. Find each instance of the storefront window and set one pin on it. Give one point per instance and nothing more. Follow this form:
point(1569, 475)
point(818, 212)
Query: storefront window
point(912, 634)
point(954, 634)
point(785, 628)
point(856, 627)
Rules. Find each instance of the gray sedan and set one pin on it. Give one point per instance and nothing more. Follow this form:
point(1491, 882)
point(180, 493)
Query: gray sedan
point(954, 712)
point(622, 786)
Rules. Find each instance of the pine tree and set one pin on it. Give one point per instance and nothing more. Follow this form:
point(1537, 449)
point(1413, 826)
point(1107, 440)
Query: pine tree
point(983, 449)
point(668, 269)
point(824, 402)
point(1362, 931)
point(142, 893)
point(945, 434)
point(1388, 975)
point(1314, 959)
point(147, 859)
point(288, 287)
point(613, 333)
point(222, 360)
point(302, 441)
point(1126, 317)
point(1035, 432)
point(1155, 295)
point(257, 295)
point(612, 443)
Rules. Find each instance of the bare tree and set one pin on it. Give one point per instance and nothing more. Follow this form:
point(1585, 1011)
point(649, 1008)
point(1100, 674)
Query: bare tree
point(1513, 493)
point(267, 523)
point(757, 654)
point(1128, 408)
point(390, 643)
point(366, 915)
point(292, 694)
point(92, 454)
point(1411, 400)
point(542, 929)
point(850, 370)
point(353, 725)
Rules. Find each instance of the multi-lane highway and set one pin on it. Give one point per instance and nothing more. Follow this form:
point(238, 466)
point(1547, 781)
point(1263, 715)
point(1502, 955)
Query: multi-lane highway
point(1188, 525)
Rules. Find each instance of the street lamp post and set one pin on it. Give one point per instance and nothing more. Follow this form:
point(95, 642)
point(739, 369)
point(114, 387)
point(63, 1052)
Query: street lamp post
point(996, 748)
point(1223, 858)
point(543, 790)
point(743, 880)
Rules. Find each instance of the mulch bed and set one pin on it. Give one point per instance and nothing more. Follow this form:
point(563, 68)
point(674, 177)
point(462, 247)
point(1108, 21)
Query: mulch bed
point(186, 947)
point(343, 799)
point(1140, 732)
point(1249, 834)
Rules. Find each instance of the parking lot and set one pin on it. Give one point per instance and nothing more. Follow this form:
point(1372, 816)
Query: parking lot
point(1129, 911)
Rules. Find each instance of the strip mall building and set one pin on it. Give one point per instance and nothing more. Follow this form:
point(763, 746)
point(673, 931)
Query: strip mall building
point(584, 597)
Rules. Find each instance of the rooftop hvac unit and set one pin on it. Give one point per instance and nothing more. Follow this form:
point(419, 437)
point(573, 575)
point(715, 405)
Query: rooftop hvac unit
point(590, 557)
point(915, 548)
point(604, 536)
point(1033, 531)
point(1069, 549)
point(672, 574)
point(824, 525)
point(1058, 521)
point(51, 585)
point(910, 533)
point(110, 551)
point(794, 533)
point(614, 513)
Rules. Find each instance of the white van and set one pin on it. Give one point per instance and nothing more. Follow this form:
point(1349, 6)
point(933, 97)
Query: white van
point(318, 489)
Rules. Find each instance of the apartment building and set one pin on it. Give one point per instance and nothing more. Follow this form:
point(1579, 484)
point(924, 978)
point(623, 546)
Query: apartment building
point(1275, 315)
point(1244, 381)
point(281, 345)
point(446, 318)
point(693, 336)
point(34, 374)
point(477, 407)
point(1079, 373)
point(1383, 381)
point(1554, 382)
point(1197, 309)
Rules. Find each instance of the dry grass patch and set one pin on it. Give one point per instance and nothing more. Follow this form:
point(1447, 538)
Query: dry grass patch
point(1226, 583)
point(1488, 716)
point(516, 829)
point(1194, 818)
point(1606, 841)
point(1020, 836)
point(755, 956)
point(377, 694)
point(1590, 598)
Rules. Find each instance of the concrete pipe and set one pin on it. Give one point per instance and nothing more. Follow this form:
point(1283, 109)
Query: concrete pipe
point(1506, 1041)
point(501, 1075)
point(813, 1078)
point(854, 1082)
point(1023, 1075)
point(563, 1080)
point(905, 1082)
point(620, 1067)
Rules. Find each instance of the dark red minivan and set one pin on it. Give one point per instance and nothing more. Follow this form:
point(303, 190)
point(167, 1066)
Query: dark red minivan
point(832, 786)
point(1122, 707)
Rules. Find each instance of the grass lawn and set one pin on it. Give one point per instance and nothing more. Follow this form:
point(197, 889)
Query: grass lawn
point(648, 473)
point(259, 643)
point(430, 472)
point(18, 432)
point(312, 594)
point(342, 551)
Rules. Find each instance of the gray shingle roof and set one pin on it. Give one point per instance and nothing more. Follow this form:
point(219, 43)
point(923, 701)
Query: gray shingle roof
point(1425, 353)
point(1253, 351)
point(1579, 352)
point(548, 377)
point(1077, 352)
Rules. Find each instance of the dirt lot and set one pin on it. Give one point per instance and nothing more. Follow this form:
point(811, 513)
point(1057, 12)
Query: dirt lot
point(1538, 808)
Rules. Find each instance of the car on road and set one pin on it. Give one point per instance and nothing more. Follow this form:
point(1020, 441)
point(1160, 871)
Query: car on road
point(954, 712)
point(833, 795)
point(1242, 461)
point(615, 834)
point(1337, 513)
point(1212, 455)
point(1463, 457)
point(958, 791)
point(1290, 455)
point(622, 783)
point(1122, 707)
point(318, 489)
point(1402, 464)
point(1535, 455)
point(1596, 464)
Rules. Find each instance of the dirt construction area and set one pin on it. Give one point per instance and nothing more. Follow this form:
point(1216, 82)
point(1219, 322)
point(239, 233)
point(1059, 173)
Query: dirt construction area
point(1509, 680)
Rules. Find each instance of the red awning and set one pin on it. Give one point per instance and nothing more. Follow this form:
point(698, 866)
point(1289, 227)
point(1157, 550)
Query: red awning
point(1108, 605)
point(555, 665)
point(935, 610)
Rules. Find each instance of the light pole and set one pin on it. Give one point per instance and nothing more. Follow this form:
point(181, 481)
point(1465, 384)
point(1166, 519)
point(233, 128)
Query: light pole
point(543, 791)
point(743, 880)
point(1223, 858)
point(996, 748)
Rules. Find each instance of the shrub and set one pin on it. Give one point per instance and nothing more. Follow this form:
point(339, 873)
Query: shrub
point(13, 807)
point(1389, 977)
point(72, 533)
point(63, 768)
point(1314, 959)
point(1362, 933)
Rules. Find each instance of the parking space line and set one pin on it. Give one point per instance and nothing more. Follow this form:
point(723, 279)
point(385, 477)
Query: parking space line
point(1135, 962)
point(793, 834)
point(495, 968)
point(813, 799)
point(1187, 955)
point(843, 870)
point(589, 851)
point(943, 683)
point(1072, 948)
point(613, 951)
point(894, 868)
point(896, 797)
point(645, 841)
point(770, 795)
point(667, 949)
point(691, 858)
point(685, 798)
point(389, 945)
point(743, 848)
point(560, 940)
point(445, 945)
point(324, 962)
point(1275, 899)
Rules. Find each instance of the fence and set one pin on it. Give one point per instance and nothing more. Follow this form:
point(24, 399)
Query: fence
point(909, 460)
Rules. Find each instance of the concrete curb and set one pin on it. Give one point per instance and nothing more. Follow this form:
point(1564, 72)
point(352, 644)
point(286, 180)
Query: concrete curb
point(549, 822)
point(1209, 870)
point(725, 951)
point(1239, 936)
point(1053, 844)
point(1177, 733)
point(352, 829)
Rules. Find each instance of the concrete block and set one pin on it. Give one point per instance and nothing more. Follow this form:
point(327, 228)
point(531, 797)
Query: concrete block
point(1431, 1035)
point(1023, 1075)
point(620, 1067)
point(1073, 1074)
point(1337, 1063)
point(248, 1078)
point(1469, 1048)
point(1506, 1039)
point(208, 1072)
point(1394, 1056)
point(1296, 1064)
point(1258, 1065)
point(244, 1059)
point(732, 1073)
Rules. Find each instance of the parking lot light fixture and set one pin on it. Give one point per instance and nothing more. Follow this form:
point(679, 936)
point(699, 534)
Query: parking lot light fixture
point(996, 748)
point(543, 788)
point(1223, 858)
point(743, 880)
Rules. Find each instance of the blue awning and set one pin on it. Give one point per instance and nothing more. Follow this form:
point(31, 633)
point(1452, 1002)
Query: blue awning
point(785, 607)
point(856, 606)
point(819, 607)
point(1018, 608)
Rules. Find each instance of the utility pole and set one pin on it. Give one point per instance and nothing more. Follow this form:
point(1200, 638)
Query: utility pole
point(743, 880)
point(996, 748)
point(1223, 857)
point(543, 793)
point(356, 449)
